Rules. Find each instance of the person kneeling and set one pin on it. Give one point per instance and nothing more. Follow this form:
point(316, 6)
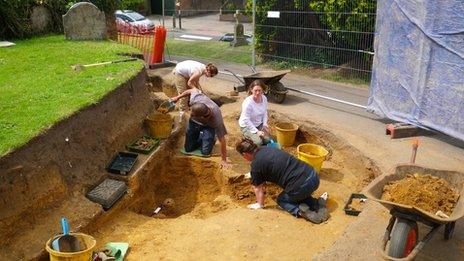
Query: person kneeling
point(204, 125)
point(297, 179)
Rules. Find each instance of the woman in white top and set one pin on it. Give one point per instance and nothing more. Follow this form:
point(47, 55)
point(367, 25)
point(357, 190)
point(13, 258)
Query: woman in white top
point(187, 76)
point(253, 119)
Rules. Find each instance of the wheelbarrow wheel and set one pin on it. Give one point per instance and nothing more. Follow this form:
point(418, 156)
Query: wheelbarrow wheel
point(403, 238)
point(278, 92)
point(278, 97)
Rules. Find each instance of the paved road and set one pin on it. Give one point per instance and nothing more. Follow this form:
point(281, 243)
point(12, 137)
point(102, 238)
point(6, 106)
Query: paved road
point(202, 25)
point(209, 26)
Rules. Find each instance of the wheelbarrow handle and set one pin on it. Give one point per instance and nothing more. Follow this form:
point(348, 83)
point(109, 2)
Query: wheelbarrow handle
point(235, 75)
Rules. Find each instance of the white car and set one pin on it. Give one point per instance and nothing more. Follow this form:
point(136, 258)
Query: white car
point(139, 22)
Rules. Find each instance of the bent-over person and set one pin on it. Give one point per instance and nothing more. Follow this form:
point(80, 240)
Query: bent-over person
point(297, 179)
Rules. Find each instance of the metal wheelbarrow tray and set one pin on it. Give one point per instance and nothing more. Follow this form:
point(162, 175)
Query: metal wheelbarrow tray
point(410, 215)
point(276, 90)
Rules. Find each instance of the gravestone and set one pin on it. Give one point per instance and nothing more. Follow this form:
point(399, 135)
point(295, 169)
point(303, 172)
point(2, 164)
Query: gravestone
point(239, 37)
point(40, 19)
point(84, 21)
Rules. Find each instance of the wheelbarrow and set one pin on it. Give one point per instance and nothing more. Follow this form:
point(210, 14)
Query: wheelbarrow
point(401, 235)
point(276, 90)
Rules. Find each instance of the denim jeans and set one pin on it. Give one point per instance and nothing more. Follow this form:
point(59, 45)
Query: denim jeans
point(291, 201)
point(199, 136)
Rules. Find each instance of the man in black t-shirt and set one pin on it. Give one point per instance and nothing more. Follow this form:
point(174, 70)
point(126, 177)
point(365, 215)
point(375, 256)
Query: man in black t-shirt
point(298, 180)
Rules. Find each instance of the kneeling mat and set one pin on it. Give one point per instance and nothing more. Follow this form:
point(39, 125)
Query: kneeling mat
point(196, 152)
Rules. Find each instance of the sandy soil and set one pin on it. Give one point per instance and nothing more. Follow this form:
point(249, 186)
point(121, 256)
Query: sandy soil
point(423, 191)
point(206, 216)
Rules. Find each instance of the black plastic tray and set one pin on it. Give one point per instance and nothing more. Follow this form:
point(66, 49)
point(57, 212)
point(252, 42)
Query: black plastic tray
point(107, 192)
point(132, 146)
point(122, 163)
point(349, 211)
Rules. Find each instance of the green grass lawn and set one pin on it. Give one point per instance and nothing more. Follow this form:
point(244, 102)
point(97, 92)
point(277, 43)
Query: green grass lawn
point(39, 88)
point(212, 50)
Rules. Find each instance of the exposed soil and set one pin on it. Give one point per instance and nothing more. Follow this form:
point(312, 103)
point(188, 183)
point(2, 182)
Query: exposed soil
point(144, 143)
point(357, 204)
point(203, 208)
point(204, 212)
point(427, 192)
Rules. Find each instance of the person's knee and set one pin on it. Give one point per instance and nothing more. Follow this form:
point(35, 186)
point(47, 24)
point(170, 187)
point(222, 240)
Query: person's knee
point(258, 141)
point(189, 147)
point(255, 138)
point(207, 141)
point(206, 149)
point(207, 146)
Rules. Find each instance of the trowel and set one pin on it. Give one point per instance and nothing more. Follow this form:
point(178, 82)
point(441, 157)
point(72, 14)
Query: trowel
point(67, 242)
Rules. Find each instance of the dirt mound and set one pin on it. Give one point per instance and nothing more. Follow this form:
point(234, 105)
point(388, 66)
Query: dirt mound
point(427, 192)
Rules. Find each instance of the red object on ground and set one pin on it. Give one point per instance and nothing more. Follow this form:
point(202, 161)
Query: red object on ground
point(158, 45)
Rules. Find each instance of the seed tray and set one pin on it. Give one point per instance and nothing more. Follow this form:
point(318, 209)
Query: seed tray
point(139, 146)
point(107, 192)
point(350, 211)
point(122, 163)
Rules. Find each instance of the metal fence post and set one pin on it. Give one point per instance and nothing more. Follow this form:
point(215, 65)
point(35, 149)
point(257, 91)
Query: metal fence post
point(253, 45)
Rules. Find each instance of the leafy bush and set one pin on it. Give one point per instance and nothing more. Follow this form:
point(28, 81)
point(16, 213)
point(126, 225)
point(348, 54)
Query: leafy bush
point(322, 33)
point(131, 4)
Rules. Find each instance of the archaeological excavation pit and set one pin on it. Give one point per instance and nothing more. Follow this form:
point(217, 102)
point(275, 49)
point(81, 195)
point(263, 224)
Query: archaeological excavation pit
point(203, 207)
point(201, 202)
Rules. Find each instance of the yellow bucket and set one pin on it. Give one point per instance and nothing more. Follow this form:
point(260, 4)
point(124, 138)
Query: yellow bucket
point(286, 133)
point(84, 255)
point(312, 154)
point(160, 125)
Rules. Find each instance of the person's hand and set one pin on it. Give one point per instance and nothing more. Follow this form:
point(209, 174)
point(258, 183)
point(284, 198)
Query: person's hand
point(266, 129)
point(255, 206)
point(260, 133)
point(225, 164)
point(174, 99)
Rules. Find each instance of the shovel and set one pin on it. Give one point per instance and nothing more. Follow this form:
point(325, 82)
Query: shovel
point(80, 67)
point(67, 242)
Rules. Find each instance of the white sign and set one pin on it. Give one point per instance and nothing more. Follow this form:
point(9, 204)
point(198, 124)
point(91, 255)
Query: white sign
point(273, 14)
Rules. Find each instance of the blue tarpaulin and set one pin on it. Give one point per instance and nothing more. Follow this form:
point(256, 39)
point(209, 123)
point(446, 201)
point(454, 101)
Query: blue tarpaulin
point(418, 69)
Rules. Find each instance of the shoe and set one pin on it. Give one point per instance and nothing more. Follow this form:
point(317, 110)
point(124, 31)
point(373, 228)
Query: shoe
point(325, 196)
point(315, 217)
